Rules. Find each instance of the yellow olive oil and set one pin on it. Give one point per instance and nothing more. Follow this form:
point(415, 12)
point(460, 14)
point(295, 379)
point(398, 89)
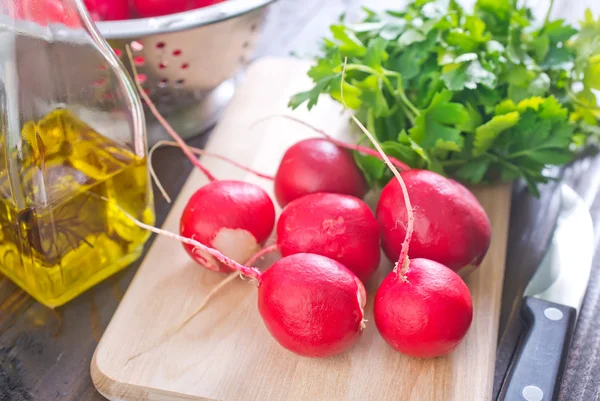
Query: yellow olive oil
point(58, 236)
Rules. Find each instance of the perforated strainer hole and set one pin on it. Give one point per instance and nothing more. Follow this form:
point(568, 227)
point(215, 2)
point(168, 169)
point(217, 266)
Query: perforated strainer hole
point(246, 44)
point(162, 66)
point(163, 83)
point(179, 83)
point(118, 52)
point(177, 52)
point(142, 78)
point(185, 66)
point(136, 46)
point(160, 45)
point(139, 61)
point(100, 82)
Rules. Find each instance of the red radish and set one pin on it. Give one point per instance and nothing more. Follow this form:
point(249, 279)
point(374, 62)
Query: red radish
point(312, 305)
point(422, 308)
point(317, 165)
point(321, 165)
point(45, 12)
point(340, 227)
point(204, 3)
point(157, 8)
point(234, 217)
point(324, 315)
point(451, 227)
point(108, 10)
point(426, 313)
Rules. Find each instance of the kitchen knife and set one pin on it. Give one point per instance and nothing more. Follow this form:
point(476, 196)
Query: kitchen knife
point(551, 303)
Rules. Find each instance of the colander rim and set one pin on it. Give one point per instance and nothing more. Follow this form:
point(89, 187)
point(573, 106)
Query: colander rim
point(137, 28)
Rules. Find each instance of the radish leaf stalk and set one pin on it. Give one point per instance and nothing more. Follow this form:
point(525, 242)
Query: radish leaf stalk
point(403, 262)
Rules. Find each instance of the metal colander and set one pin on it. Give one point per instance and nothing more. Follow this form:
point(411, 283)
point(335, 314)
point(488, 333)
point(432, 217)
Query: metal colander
point(187, 61)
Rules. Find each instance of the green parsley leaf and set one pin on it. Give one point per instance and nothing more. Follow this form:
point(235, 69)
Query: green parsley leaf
point(411, 36)
point(312, 96)
point(434, 128)
point(482, 96)
point(474, 170)
point(467, 75)
point(486, 134)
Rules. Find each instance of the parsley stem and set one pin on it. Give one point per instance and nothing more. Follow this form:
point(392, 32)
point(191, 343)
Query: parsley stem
point(505, 163)
point(450, 163)
point(402, 94)
point(578, 102)
point(372, 71)
point(410, 106)
point(519, 154)
point(398, 91)
point(371, 122)
point(549, 12)
point(410, 116)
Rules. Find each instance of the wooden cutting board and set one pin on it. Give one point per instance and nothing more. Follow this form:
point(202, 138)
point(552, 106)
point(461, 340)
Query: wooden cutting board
point(226, 353)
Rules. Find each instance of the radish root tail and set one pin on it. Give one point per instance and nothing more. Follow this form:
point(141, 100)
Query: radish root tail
point(251, 272)
point(261, 254)
point(402, 266)
point(357, 148)
point(154, 176)
point(232, 276)
point(184, 147)
point(176, 329)
point(221, 285)
point(213, 292)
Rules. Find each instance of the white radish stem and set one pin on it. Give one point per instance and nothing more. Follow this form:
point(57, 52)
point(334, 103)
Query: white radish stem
point(176, 329)
point(222, 284)
point(260, 254)
point(361, 149)
point(403, 261)
point(154, 176)
point(251, 272)
point(214, 291)
point(184, 147)
point(208, 297)
point(202, 152)
point(218, 288)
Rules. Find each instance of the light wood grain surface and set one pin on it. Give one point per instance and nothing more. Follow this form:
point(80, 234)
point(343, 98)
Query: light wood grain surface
point(226, 353)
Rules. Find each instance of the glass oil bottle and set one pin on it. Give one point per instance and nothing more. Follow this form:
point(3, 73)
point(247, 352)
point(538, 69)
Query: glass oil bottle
point(72, 153)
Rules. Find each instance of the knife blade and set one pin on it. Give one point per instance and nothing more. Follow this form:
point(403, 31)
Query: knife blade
point(551, 304)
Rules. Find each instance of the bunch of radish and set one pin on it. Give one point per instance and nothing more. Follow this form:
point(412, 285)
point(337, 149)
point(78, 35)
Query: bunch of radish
point(44, 12)
point(157, 8)
point(312, 300)
point(53, 11)
point(114, 10)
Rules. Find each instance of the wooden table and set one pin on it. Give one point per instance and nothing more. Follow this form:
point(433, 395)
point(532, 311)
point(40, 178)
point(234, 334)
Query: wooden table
point(45, 355)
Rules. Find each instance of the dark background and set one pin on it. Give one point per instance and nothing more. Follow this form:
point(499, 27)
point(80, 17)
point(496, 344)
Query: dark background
point(45, 355)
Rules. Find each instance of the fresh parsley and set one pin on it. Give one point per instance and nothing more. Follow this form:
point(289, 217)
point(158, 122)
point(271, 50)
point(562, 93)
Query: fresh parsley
point(483, 97)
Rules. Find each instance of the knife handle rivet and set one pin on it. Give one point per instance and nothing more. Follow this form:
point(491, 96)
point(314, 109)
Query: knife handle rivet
point(553, 314)
point(533, 393)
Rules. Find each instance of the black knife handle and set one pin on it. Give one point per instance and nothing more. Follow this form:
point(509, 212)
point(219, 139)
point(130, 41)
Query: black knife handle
point(539, 366)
